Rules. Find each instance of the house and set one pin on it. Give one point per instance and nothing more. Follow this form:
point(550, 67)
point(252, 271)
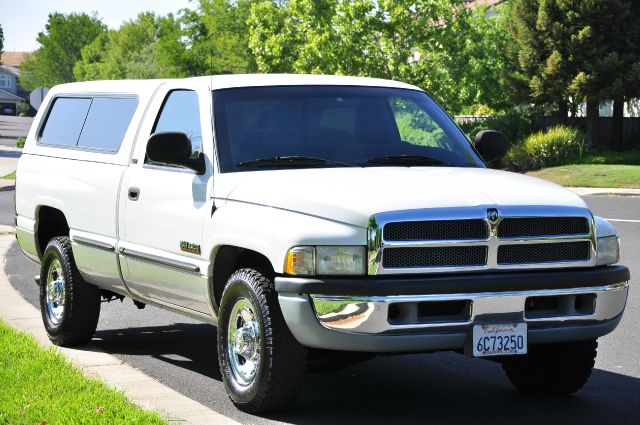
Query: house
point(11, 94)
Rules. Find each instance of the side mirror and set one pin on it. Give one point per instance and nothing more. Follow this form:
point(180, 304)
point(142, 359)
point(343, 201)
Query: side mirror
point(174, 148)
point(491, 144)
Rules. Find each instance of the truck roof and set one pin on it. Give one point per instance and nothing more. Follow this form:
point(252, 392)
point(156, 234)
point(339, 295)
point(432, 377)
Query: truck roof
point(232, 81)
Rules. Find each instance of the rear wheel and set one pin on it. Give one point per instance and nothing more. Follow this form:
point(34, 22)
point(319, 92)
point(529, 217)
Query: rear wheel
point(260, 360)
point(70, 307)
point(552, 369)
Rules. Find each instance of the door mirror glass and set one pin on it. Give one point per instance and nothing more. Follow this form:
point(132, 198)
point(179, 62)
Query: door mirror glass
point(491, 144)
point(174, 149)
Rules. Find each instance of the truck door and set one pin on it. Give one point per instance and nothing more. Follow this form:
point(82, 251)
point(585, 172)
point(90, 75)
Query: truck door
point(163, 208)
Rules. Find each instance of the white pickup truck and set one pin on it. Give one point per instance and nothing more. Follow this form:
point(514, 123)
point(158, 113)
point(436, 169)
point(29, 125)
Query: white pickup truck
point(311, 218)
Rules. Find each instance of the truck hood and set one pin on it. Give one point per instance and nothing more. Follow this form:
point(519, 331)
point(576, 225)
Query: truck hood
point(352, 195)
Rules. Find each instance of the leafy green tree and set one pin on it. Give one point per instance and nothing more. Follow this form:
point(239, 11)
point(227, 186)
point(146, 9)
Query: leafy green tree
point(132, 51)
point(419, 42)
point(542, 53)
point(219, 36)
point(484, 86)
point(1, 40)
point(607, 47)
point(61, 42)
point(576, 50)
point(210, 40)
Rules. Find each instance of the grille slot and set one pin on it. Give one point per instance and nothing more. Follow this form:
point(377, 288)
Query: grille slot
point(435, 230)
point(542, 226)
point(454, 256)
point(544, 253)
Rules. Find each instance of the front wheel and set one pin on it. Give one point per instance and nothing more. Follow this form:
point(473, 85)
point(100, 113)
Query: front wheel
point(552, 369)
point(261, 362)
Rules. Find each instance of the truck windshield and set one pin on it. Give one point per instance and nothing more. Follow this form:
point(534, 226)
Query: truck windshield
point(283, 127)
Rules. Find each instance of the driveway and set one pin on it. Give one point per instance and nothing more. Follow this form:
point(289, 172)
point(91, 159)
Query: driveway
point(420, 388)
point(13, 127)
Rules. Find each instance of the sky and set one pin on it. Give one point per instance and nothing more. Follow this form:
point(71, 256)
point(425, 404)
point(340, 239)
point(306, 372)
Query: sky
point(22, 20)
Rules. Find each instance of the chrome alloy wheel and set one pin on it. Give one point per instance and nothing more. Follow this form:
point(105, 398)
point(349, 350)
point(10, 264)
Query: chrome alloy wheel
point(243, 344)
point(55, 292)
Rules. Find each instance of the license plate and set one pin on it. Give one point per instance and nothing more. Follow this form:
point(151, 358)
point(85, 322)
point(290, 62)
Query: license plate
point(499, 340)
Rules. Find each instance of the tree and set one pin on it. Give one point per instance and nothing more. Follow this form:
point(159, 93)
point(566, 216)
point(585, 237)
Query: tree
point(61, 43)
point(1, 40)
point(607, 58)
point(132, 51)
point(542, 52)
point(219, 36)
point(417, 42)
point(211, 40)
point(484, 80)
point(578, 50)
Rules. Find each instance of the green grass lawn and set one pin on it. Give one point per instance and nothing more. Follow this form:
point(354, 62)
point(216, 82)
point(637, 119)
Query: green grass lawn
point(11, 176)
point(592, 175)
point(39, 385)
point(605, 156)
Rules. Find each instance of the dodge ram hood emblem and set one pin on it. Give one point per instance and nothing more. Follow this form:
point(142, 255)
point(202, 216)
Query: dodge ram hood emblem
point(492, 215)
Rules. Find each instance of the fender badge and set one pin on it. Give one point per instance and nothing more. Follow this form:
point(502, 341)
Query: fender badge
point(189, 247)
point(493, 215)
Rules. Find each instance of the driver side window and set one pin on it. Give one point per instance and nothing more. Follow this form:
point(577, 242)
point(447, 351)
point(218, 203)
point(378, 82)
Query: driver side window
point(181, 112)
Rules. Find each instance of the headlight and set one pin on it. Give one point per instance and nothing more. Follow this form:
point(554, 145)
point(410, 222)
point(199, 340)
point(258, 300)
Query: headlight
point(340, 260)
point(326, 260)
point(608, 250)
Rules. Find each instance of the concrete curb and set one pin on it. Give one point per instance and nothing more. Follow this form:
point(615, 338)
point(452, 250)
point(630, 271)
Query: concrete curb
point(143, 390)
point(587, 191)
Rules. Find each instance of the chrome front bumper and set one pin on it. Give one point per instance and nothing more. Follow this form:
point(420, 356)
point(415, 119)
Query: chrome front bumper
point(371, 315)
point(556, 306)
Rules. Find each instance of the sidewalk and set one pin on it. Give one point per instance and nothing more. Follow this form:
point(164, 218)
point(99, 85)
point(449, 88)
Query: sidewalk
point(8, 160)
point(138, 387)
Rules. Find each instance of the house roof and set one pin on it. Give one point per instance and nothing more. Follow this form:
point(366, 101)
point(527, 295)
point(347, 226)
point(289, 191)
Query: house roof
point(10, 97)
point(14, 59)
point(11, 70)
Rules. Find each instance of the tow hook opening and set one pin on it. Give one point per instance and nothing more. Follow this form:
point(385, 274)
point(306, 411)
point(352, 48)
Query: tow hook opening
point(541, 307)
point(426, 312)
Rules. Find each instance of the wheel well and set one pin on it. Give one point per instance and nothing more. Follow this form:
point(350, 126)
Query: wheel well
point(51, 222)
point(229, 259)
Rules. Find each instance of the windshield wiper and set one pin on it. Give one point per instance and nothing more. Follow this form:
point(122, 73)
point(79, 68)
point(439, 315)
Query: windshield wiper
point(292, 161)
point(407, 159)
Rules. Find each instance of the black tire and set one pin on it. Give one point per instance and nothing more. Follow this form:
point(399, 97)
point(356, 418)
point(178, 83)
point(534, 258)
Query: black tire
point(281, 359)
point(552, 369)
point(77, 319)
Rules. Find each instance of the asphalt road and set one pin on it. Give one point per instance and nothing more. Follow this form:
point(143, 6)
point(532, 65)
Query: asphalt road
point(430, 388)
point(13, 127)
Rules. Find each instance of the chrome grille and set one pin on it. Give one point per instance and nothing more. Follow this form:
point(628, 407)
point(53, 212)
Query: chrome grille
point(451, 256)
point(460, 239)
point(436, 230)
point(518, 227)
point(544, 253)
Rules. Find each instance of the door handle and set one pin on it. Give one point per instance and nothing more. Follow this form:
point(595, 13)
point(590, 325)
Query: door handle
point(134, 193)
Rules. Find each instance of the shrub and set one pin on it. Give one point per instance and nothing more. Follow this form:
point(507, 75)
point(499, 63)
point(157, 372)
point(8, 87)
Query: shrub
point(515, 126)
point(559, 145)
point(20, 142)
point(23, 109)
